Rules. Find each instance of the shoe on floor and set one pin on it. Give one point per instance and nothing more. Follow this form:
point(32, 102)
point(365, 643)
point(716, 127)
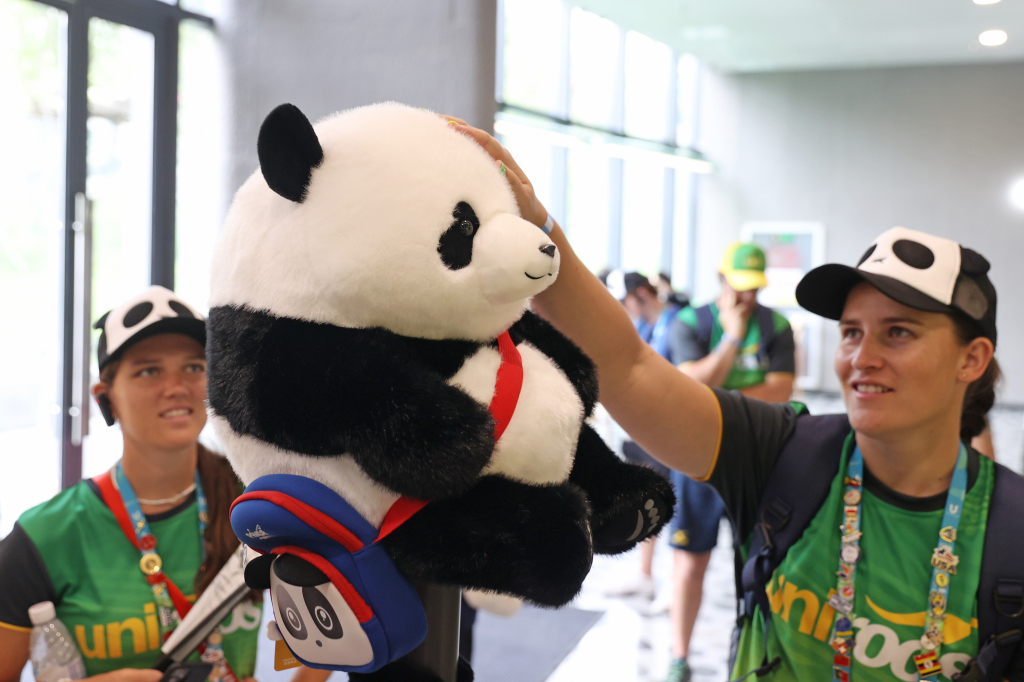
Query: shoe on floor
point(660, 605)
point(678, 671)
point(641, 585)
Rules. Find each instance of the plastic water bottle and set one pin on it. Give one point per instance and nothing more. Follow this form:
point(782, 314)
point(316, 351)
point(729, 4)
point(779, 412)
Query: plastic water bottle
point(54, 654)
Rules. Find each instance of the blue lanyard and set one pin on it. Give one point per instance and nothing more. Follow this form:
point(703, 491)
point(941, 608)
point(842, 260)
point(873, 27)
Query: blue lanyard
point(943, 566)
point(147, 542)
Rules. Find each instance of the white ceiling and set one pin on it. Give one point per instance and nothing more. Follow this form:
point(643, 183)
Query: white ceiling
point(788, 35)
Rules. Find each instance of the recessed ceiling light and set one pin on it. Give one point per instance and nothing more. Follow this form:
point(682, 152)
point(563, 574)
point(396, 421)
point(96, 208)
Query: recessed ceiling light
point(1017, 193)
point(992, 38)
point(985, 2)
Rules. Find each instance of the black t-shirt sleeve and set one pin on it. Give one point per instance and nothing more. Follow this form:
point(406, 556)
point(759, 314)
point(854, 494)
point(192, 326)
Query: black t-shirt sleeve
point(782, 352)
point(683, 344)
point(24, 580)
point(753, 434)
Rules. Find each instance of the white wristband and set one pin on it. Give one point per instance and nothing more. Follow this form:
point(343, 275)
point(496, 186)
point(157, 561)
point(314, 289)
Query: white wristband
point(729, 338)
point(548, 225)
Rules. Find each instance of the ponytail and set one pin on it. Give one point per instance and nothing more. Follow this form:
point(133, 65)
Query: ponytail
point(221, 487)
point(981, 393)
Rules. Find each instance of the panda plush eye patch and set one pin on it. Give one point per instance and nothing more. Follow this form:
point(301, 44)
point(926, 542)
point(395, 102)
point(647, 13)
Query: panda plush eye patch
point(456, 244)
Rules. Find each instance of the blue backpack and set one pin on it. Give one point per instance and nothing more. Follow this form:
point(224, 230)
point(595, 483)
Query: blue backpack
point(339, 601)
point(799, 485)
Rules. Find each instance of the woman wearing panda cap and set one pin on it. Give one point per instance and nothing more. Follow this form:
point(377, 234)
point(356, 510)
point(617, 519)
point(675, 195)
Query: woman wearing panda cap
point(865, 533)
point(117, 595)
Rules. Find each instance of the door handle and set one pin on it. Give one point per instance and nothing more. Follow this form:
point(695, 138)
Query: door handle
point(81, 346)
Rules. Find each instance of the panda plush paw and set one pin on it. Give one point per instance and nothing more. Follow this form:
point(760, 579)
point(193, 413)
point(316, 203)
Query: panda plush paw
point(530, 541)
point(629, 503)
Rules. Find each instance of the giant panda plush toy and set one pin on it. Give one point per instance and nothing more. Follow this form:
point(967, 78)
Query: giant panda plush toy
point(370, 340)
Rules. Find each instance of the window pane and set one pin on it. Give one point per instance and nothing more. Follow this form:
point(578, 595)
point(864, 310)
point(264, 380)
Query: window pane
point(32, 46)
point(649, 70)
point(119, 182)
point(681, 231)
point(586, 210)
point(534, 157)
point(643, 188)
point(201, 162)
point(687, 70)
point(206, 7)
point(532, 54)
point(593, 52)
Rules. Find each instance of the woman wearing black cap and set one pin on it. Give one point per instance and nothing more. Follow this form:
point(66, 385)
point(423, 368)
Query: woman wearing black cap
point(888, 511)
point(118, 587)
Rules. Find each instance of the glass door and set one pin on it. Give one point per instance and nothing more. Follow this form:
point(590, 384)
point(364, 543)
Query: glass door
point(119, 181)
point(33, 42)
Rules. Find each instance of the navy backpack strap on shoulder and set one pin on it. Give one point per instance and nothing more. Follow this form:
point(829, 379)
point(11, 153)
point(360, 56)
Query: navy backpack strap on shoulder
point(705, 325)
point(796, 489)
point(766, 323)
point(1001, 589)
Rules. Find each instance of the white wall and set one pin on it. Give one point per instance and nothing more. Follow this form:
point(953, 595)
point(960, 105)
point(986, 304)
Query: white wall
point(930, 148)
point(328, 55)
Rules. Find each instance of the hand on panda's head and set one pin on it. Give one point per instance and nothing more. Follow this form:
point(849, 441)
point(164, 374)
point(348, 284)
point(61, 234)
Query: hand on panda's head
point(530, 207)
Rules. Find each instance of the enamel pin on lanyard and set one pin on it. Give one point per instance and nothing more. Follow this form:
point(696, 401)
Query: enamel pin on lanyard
point(943, 561)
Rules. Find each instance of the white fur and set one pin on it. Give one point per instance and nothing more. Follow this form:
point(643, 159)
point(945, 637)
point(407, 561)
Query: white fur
point(540, 442)
point(252, 458)
point(361, 250)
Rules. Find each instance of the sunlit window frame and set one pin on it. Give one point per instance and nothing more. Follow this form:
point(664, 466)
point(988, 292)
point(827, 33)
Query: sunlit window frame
point(162, 19)
point(556, 129)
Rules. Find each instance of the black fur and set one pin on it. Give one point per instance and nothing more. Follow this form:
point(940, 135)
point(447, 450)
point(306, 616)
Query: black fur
point(324, 390)
point(567, 355)
point(289, 151)
point(528, 540)
point(456, 244)
point(618, 493)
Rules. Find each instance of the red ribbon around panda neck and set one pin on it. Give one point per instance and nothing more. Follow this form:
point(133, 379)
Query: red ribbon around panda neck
point(508, 384)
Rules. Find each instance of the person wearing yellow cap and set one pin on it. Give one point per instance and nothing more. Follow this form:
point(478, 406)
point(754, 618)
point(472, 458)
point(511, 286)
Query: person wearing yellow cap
point(736, 344)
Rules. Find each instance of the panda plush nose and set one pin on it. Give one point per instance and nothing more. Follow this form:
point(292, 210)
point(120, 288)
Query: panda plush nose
point(548, 250)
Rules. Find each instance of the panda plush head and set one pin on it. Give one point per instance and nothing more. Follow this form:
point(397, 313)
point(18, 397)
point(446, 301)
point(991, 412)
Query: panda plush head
point(380, 216)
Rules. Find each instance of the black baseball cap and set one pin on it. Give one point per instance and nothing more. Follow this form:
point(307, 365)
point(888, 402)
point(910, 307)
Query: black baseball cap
point(154, 311)
point(916, 269)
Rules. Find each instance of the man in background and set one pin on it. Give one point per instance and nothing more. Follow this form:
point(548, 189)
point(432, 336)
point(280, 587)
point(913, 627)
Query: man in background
point(653, 317)
point(737, 344)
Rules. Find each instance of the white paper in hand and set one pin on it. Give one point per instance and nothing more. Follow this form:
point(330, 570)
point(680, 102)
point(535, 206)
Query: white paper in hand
point(224, 593)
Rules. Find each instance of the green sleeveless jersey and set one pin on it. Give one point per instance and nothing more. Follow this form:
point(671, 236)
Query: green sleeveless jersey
point(101, 594)
point(748, 369)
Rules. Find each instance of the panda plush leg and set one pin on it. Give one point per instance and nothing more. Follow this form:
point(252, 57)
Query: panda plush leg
point(629, 502)
point(526, 540)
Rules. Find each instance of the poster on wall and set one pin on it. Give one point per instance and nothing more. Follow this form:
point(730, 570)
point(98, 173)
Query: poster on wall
point(792, 249)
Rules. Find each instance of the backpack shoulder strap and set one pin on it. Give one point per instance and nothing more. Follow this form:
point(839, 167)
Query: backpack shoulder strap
point(1001, 589)
point(705, 325)
point(796, 489)
point(766, 322)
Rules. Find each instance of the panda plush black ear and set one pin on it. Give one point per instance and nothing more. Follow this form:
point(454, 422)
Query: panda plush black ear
point(257, 572)
point(289, 151)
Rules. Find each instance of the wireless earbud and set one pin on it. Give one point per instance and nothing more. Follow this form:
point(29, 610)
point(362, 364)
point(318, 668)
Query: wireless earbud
point(105, 408)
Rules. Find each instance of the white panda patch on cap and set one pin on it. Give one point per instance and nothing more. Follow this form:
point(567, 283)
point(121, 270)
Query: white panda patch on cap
point(928, 263)
point(136, 317)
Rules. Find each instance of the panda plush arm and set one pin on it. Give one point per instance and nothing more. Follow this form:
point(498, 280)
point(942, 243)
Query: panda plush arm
point(567, 355)
point(322, 390)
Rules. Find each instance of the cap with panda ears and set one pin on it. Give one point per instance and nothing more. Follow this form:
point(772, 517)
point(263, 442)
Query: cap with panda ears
point(154, 311)
point(916, 269)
